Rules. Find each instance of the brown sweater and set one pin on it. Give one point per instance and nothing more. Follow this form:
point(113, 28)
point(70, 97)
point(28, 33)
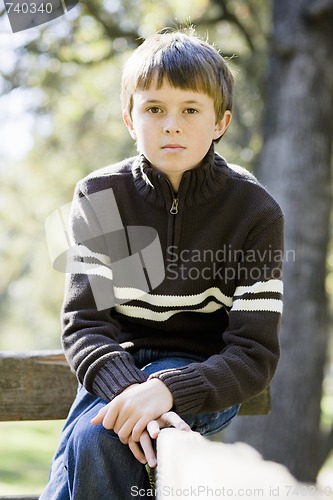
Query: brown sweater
point(218, 293)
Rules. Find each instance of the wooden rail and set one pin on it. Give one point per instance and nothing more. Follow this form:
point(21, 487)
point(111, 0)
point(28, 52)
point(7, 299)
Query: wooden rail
point(40, 386)
point(35, 386)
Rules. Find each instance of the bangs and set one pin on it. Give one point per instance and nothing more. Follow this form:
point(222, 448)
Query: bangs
point(186, 74)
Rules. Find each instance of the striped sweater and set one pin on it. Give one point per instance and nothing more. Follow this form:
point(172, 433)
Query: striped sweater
point(198, 272)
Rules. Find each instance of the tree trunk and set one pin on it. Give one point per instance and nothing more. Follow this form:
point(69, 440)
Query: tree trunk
point(295, 166)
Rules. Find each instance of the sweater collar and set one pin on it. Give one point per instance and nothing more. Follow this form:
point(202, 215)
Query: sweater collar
point(198, 185)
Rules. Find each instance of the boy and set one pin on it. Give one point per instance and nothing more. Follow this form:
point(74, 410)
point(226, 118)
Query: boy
point(202, 338)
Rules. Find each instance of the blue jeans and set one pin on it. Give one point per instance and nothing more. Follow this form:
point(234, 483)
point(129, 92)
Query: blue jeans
point(91, 462)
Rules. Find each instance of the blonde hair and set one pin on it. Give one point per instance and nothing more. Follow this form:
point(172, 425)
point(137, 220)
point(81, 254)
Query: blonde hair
point(186, 61)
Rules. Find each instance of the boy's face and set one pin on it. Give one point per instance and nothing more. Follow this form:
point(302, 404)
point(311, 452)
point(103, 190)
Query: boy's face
point(174, 128)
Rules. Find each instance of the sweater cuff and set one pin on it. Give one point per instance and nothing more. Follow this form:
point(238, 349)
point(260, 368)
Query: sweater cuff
point(117, 374)
point(187, 388)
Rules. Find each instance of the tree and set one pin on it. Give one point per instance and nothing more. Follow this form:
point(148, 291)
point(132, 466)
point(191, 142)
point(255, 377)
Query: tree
point(295, 164)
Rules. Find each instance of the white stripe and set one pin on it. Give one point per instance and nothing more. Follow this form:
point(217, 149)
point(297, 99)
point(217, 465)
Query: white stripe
point(273, 305)
point(103, 271)
point(173, 300)
point(260, 287)
point(89, 269)
point(127, 294)
point(142, 313)
point(84, 251)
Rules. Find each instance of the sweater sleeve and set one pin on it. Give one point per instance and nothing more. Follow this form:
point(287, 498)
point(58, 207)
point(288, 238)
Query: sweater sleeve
point(248, 361)
point(89, 329)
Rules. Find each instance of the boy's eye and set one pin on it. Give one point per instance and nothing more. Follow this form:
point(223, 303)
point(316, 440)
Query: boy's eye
point(154, 110)
point(191, 111)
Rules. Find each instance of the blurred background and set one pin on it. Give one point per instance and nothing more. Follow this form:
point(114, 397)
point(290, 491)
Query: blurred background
point(60, 118)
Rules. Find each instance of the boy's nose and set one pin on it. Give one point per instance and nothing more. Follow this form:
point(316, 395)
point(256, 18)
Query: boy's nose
point(171, 126)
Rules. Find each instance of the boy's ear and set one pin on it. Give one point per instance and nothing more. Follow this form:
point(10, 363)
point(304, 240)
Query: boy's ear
point(222, 125)
point(129, 124)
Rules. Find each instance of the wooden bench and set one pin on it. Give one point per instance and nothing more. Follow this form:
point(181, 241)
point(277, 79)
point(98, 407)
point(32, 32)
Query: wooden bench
point(40, 386)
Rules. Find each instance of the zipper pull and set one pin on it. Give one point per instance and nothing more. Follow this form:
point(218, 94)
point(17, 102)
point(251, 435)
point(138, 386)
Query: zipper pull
point(174, 206)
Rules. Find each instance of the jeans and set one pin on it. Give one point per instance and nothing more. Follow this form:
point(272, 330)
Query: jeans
point(91, 462)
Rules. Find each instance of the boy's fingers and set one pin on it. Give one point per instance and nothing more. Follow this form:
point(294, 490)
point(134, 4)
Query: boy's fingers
point(143, 452)
point(109, 421)
point(107, 416)
point(124, 430)
point(169, 419)
point(153, 429)
point(137, 451)
point(173, 419)
point(139, 428)
point(98, 419)
point(147, 447)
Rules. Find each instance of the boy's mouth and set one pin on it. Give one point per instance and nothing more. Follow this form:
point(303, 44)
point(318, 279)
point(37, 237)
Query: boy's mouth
point(174, 148)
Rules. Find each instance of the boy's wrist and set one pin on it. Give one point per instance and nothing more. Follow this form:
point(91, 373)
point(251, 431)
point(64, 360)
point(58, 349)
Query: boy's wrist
point(162, 389)
point(129, 387)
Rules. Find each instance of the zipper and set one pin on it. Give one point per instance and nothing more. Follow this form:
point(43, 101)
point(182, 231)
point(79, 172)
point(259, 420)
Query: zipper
point(174, 206)
point(175, 201)
point(173, 230)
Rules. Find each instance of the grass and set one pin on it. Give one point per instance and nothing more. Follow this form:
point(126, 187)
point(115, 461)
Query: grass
point(26, 453)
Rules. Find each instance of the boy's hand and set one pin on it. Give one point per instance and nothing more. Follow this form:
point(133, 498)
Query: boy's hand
point(128, 413)
point(146, 453)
